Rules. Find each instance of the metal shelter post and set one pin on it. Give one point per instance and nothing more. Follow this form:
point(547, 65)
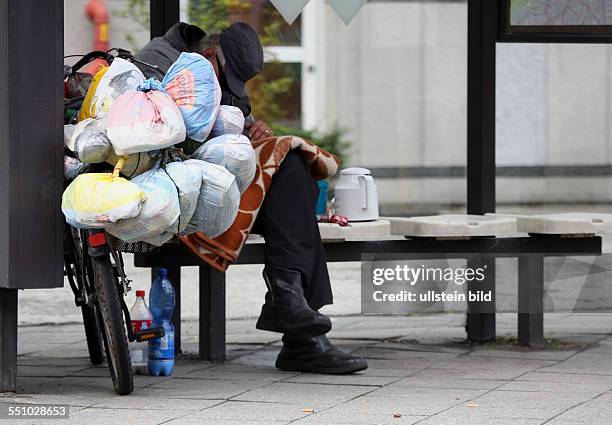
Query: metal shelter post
point(483, 31)
point(31, 175)
point(164, 14)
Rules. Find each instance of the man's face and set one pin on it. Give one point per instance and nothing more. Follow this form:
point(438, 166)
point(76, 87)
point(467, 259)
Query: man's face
point(211, 55)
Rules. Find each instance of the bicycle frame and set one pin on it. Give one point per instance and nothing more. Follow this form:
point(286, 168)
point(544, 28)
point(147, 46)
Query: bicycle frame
point(97, 246)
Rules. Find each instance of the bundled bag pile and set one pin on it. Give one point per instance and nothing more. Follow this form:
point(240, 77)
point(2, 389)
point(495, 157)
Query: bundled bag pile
point(155, 192)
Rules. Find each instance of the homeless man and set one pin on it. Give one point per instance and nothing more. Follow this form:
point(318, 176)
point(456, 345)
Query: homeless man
point(295, 267)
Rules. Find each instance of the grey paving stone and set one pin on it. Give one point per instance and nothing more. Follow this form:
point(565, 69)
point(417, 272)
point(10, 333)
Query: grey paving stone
point(199, 418)
point(552, 355)
point(595, 411)
point(304, 395)
point(569, 378)
point(198, 389)
point(362, 378)
point(479, 421)
point(412, 346)
point(586, 363)
point(555, 387)
point(237, 373)
point(442, 379)
point(331, 417)
point(265, 357)
point(54, 361)
point(424, 394)
point(94, 415)
point(47, 371)
point(246, 410)
point(475, 373)
point(491, 363)
point(386, 354)
point(142, 402)
point(409, 406)
point(530, 400)
point(78, 349)
point(397, 368)
point(473, 411)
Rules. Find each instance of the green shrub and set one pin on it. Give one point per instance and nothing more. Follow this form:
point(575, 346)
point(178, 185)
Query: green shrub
point(332, 141)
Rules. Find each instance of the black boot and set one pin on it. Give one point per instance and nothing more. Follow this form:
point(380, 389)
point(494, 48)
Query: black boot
point(317, 355)
point(286, 309)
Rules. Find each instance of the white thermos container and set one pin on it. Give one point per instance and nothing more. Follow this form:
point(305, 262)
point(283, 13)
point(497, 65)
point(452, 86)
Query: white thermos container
point(356, 195)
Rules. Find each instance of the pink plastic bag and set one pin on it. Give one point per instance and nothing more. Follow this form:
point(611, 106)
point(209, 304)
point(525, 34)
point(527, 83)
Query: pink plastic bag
point(140, 121)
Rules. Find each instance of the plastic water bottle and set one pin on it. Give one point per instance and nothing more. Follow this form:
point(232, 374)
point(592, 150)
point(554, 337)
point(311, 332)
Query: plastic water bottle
point(161, 301)
point(141, 319)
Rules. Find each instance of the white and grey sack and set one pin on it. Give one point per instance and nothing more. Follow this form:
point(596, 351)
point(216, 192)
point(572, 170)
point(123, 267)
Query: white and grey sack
point(92, 144)
point(230, 120)
point(218, 202)
point(235, 153)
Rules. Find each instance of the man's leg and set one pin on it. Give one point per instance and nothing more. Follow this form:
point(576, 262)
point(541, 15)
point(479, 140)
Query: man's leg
point(294, 252)
point(287, 222)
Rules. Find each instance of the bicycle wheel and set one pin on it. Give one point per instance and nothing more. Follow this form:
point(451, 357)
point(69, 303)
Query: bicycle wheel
point(112, 325)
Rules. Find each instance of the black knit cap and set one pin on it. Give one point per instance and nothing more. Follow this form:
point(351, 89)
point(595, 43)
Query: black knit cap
point(243, 56)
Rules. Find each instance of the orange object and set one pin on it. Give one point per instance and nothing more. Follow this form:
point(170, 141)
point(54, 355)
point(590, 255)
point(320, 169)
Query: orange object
point(97, 13)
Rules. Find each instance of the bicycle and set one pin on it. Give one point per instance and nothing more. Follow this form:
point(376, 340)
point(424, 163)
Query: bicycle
point(95, 271)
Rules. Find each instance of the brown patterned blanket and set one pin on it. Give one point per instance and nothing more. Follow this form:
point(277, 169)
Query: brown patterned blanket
point(222, 251)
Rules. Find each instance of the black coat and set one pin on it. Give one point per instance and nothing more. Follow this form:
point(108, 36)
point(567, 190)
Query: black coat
point(164, 51)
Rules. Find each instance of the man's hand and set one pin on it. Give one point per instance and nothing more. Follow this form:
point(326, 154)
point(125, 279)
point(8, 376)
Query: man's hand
point(259, 131)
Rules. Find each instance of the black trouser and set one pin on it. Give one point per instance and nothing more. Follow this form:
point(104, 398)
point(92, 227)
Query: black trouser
point(287, 222)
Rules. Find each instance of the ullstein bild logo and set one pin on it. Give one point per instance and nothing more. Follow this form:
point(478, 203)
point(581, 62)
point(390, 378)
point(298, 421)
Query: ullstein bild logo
point(346, 9)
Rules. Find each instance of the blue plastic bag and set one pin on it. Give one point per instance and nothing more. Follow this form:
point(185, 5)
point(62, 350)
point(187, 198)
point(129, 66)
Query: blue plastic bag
point(192, 83)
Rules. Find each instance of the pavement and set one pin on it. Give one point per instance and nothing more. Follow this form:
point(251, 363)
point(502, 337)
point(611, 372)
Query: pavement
point(421, 371)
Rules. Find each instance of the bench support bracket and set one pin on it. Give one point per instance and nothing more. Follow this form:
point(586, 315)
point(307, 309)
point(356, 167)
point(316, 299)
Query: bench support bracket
point(480, 324)
point(531, 300)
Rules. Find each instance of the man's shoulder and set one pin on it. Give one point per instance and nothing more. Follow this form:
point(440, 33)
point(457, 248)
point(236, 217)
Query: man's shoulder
point(158, 52)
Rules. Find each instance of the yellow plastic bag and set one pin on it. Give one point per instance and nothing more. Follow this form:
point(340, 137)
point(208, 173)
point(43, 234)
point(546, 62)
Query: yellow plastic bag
point(88, 109)
point(97, 199)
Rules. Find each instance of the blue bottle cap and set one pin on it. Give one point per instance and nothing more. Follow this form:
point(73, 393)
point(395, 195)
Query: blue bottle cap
point(163, 273)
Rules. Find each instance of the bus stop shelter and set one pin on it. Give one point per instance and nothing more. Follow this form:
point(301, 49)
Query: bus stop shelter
point(31, 130)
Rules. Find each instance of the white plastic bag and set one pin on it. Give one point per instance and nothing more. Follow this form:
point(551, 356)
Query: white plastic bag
point(229, 121)
point(235, 153)
point(92, 144)
point(218, 202)
point(73, 167)
point(69, 130)
point(72, 131)
point(188, 184)
point(144, 120)
point(158, 218)
point(122, 76)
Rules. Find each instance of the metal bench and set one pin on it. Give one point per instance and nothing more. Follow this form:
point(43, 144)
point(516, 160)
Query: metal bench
point(529, 250)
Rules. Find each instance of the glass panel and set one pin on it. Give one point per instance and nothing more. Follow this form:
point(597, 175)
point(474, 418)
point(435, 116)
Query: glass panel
point(214, 15)
point(561, 12)
point(276, 95)
point(554, 144)
point(127, 26)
